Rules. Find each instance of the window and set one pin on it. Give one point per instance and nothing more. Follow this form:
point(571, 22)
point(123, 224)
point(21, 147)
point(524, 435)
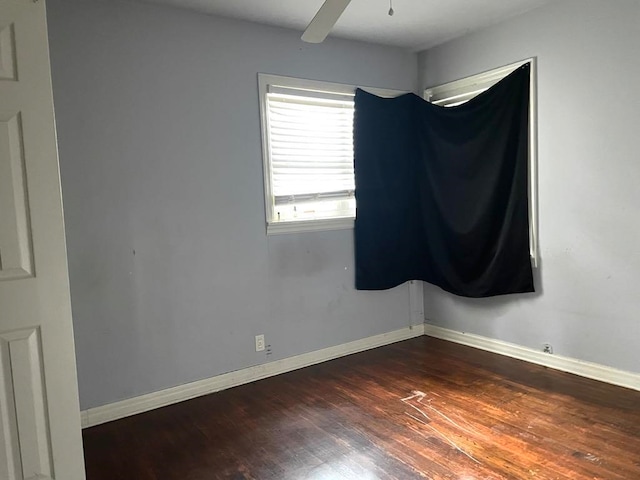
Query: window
point(458, 92)
point(307, 137)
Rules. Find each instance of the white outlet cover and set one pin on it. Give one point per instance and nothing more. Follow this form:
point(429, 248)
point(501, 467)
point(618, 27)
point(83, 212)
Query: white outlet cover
point(259, 343)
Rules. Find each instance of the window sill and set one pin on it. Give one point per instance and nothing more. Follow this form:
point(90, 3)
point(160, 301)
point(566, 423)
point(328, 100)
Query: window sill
point(325, 224)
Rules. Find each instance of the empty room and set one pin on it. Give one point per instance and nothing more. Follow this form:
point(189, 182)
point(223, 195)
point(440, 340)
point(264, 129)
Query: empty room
point(365, 239)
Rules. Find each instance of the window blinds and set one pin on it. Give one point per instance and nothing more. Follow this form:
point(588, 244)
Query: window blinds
point(453, 99)
point(311, 146)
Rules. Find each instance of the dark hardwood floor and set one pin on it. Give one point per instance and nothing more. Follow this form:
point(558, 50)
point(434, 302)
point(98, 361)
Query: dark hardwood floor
point(423, 408)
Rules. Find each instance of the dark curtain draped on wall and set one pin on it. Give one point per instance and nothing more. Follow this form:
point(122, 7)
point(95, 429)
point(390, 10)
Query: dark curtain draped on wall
point(442, 192)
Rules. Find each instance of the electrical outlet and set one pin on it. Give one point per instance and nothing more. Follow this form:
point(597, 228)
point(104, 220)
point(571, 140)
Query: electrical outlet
point(259, 343)
point(547, 348)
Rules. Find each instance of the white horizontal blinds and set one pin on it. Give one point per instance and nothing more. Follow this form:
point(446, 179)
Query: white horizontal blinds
point(311, 145)
point(453, 99)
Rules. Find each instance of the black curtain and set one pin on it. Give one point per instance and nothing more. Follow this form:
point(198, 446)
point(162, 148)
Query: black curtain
point(442, 192)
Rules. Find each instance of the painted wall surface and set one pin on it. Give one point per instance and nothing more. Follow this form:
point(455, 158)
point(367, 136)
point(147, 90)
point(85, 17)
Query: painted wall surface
point(589, 176)
point(172, 274)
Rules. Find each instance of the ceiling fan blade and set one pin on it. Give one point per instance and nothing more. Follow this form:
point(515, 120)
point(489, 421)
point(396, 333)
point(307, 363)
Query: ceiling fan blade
point(324, 20)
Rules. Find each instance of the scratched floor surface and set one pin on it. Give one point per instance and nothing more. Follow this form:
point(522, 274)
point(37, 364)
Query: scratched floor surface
point(423, 408)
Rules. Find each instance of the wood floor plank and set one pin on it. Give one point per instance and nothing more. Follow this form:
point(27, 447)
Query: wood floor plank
point(423, 408)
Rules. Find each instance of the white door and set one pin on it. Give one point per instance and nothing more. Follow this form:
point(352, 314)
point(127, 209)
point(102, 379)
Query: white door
point(40, 435)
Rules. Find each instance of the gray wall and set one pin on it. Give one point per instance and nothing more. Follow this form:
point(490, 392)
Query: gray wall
point(588, 71)
point(159, 138)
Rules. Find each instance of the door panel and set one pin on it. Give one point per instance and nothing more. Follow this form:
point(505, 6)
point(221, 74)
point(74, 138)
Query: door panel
point(7, 53)
point(22, 387)
point(40, 435)
point(15, 233)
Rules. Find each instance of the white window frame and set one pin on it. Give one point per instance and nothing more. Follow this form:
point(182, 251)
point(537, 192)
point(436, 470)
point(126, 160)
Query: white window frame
point(460, 91)
point(267, 82)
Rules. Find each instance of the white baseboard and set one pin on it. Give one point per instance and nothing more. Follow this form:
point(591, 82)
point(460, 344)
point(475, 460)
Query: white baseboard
point(566, 364)
point(151, 401)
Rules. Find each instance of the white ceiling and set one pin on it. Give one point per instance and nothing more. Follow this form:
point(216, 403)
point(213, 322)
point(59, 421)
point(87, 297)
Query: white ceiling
point(416, 25)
